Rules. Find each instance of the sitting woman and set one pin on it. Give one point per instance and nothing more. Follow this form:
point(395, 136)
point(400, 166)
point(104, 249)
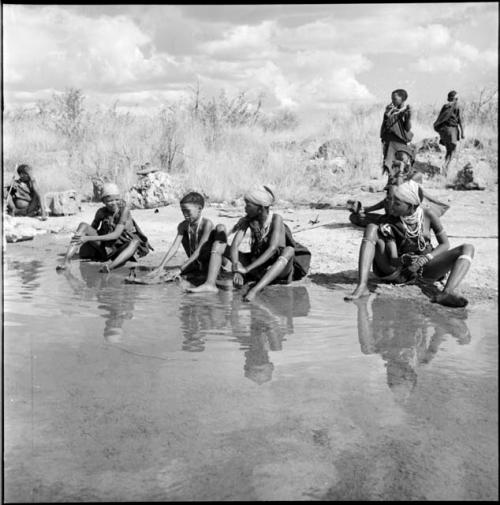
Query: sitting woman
point(400, 249)
point(402, 171)
point(274, 255)
point(113, 235)
point(24, 197)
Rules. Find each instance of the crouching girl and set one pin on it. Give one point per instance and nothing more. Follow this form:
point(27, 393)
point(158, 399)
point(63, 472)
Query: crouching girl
point(400, 249)
point(274, 255)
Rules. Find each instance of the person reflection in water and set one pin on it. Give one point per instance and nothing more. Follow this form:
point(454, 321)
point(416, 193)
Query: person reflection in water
point(199, 318)
point(405, 339)
point(271, 319)
point(115, 300)
point(29, 272)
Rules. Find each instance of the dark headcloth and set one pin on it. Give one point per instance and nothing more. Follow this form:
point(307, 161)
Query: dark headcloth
point(402, 93)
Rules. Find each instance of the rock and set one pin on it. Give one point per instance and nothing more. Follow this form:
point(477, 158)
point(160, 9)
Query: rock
point(63, 203)
point(155, 189)
point(428, 145)
point(426, 168)
point(16, 230)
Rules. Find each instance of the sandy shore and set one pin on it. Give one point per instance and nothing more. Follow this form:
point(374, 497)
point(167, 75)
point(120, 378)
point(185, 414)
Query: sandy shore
point(472, 218)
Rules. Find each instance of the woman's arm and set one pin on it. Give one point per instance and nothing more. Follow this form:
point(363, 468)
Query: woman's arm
point(108, 236)
point(171, 252)
point(276, 230)
point(207, 229)
point(377, 206)
point(460, 124)
point(235, 244)
point(441, 236)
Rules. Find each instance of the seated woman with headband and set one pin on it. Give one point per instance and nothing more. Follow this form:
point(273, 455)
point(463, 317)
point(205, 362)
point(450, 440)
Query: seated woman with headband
point(400, 248)
point(274, 255)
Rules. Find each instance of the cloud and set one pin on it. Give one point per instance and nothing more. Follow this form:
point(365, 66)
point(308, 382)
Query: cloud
point(302, 56)
point(52, 47)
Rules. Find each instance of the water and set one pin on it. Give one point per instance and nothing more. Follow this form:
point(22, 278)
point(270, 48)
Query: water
point(119, 392)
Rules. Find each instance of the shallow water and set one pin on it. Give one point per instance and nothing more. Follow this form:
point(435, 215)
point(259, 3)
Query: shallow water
point(126, 392)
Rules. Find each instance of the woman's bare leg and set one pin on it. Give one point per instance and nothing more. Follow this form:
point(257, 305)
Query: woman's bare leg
point(123, 257)
point(457, 260)
point(214, 266)
point(83, 229)
point(273, 273)
point(372, 248)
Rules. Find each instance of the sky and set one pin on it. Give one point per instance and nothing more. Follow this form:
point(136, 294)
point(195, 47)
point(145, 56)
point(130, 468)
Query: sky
point(308, 58)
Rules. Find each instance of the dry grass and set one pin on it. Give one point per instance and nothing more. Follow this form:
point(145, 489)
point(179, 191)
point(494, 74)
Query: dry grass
point(220, 148)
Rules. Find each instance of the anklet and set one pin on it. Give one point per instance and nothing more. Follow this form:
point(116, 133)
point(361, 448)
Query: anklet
point(465, 257)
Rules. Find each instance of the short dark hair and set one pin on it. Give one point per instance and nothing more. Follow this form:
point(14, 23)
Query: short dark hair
point(451, 95)
point(401, 92)
point(24, 168)
point(193, 197)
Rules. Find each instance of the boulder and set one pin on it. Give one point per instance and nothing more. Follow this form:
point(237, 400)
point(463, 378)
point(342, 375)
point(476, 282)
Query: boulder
point(428, 145)
point(63, 203)
point(154, 189)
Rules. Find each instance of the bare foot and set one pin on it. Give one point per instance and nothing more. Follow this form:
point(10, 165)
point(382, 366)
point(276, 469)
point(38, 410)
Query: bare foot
point(204, 288)
point(358, 293)
point(450, 300)
point(105, 269)
point(60, 268)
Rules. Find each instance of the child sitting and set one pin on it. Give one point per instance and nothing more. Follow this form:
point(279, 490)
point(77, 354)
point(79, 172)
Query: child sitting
point(274, 255)
point(196, 234)
point(113, 235)
point(24, 197)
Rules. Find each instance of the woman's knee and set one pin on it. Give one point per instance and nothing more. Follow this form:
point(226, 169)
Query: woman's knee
point(288, 252)
point(467, 249)
point(221, 233)
point(371, 232)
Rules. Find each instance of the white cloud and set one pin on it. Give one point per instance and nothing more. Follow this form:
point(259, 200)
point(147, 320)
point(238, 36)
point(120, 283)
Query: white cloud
point(52, 47)
point(301, 56)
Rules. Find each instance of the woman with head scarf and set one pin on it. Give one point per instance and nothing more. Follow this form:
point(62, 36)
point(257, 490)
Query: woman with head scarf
point(274, 255)
point(401, 251)
point(450, 127)
point(113, 235)
point(395, 132)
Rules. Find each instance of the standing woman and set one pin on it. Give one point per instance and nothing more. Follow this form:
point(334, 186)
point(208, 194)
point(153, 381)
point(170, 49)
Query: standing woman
point(449, 125)
point(395, 132)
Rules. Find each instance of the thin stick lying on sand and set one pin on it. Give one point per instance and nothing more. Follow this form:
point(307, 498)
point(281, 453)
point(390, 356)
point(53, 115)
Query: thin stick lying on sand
point(307, 228)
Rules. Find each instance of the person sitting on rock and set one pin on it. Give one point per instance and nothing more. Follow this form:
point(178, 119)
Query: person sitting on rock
point(449, 125)
point(402, 171)
point(400, 249)
point(113, 235)
point(274, 255)
point(24, 197)
point(196, 234)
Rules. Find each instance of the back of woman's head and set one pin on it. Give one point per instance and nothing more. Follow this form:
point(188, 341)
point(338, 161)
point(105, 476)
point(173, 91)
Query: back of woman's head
point(193, 197)
point(452, 95)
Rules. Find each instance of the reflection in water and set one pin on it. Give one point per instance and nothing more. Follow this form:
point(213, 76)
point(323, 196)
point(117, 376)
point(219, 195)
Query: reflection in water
point(259, 326)
point(199, 318)
point(115, 299)
point(271, 319)
point(29, 271)
point(406, 335)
